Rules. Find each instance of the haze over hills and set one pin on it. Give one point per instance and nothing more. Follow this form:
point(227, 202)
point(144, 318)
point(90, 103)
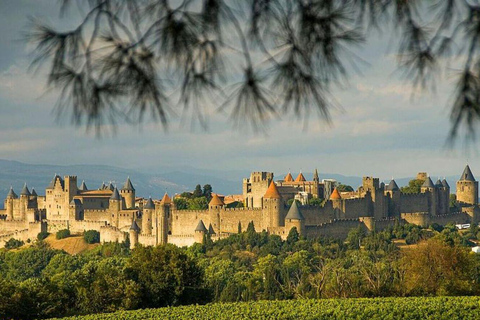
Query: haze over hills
point(172, 180)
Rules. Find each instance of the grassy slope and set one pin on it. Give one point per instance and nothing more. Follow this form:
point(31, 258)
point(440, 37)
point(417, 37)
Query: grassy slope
point(72, 245)
point(377, 308)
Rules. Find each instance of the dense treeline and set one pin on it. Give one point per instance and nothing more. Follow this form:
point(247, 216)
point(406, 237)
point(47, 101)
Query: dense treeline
point(39, 282)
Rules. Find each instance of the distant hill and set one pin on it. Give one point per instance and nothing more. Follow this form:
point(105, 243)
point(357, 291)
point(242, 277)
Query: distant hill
point(14, 173)
point(172, 180)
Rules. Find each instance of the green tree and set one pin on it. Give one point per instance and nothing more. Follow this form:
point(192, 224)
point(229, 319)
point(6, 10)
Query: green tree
point(414, 186)
point(355, 237)
point(316, 202)
point(62, 234)
point(91, 236)
point(293, 236)
point(344, 188)
point(199, 203)
point(13, 243)
point(180, 203)
point(167, 276)
point(198, 191)
point(207, 192)
point(453, 202)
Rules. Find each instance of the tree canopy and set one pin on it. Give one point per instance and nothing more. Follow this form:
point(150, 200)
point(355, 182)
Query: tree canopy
point(255, 60)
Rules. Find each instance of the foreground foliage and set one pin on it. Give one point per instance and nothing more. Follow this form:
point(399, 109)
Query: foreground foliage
point(39, 282)
point(377, 308)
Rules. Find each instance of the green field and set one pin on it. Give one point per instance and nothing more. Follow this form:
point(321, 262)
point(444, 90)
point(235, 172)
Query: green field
point(376, 308)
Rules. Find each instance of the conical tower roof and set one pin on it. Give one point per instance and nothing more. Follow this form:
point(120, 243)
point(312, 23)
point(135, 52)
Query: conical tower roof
point(34, 193)
point(392, 186)
point(335, 195)
point(12, 194)
point(110, 186)
point(428, 183)
point(103, 186)
point(288, 177)
point(315, 175)
point(83, 187)
point(166, 199)
point(467, 174)
point(300, 178)
point(115, 195)
point(52, 183)
point(272, 192)
point(134, 226)
point(294, 213)
point(210, 229)
point(149, 204)
point(25, 191)
point(439, 184)
point(128, 185)
point(445, 184)
point(201, 227)
point(216, 201)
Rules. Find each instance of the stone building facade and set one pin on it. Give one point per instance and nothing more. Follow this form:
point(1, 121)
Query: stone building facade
point(117, 214)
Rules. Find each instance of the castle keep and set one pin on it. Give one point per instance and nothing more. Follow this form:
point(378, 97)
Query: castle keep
point(117, 214)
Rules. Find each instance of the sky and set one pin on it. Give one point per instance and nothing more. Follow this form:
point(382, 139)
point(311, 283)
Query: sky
point(379, 130)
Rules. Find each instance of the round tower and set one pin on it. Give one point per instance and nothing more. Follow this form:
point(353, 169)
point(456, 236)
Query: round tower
point(467, 188)
point(128, 193)
point(431, 189)
point(115, 204)
point(133, 234)
point(163, 215)
point(295, 219)
point(393, 191)
point(24, 196)
point(336, 199)
point(215, 207)
point(200, 232)
point(148, 210)
point(11, 196)
point(272, 208)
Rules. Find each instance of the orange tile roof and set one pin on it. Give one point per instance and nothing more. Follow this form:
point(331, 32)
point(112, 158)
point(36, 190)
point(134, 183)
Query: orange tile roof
point(288, 177)
point(216, 201)
point(166, 199)
point(300, 177)
point(272, 192)
point(335, 195)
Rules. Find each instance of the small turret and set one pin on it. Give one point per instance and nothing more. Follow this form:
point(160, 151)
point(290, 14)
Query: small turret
point(210, 230)
point(438, 184)
point(272, 208)
point(133, 233)
point(427, 185)
point(467, 188)
point(315, 175)
point(148, 217)
point(295, 218)
point(392, 186)
point(163, 213)
point(300, 177)
point(34, 193)
point(11, 194)
point(200, 232)
point(128, 193)
point(288, 177)
point(115, 205)
point(25, 191)
point(83, 187)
